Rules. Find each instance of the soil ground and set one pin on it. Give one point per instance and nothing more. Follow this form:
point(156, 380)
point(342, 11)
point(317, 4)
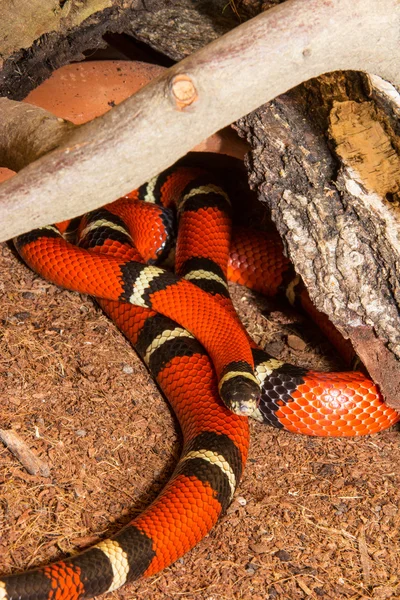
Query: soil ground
point(312, 518)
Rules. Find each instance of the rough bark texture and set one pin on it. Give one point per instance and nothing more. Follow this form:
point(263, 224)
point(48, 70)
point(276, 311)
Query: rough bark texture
point(325, 161)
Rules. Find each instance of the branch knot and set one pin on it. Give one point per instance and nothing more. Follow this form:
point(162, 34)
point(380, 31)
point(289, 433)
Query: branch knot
point(183, 91)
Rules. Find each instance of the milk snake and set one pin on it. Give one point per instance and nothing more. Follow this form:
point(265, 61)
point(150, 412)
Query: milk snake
point(143, 299)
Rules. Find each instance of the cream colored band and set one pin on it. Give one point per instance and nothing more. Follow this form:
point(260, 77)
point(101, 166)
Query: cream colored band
point(103, 223)
point(215, 459)
point(142, 283)
point(264, 369)
point(119, 562)
point(290, 290)
point(232, 374)
point(3, 593)
point(51, 228)
point(151, 184)
point(204, 189)
point(201, 274)
point(165, 336)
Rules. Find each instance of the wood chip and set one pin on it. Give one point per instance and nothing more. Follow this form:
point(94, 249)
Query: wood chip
point(295, 342)
point(364, 556)
point(27, 458)
point(260, 548)
point(304, 587)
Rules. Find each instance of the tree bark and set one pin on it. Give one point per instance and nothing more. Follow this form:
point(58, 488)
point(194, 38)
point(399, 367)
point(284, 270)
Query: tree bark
point(325, 160)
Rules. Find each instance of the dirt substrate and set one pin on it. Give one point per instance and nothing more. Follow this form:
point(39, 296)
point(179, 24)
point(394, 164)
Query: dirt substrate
point(313, 518)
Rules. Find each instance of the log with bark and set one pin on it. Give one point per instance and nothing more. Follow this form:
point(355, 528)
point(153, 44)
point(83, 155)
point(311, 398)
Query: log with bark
point(324, 156)
point(325, 160)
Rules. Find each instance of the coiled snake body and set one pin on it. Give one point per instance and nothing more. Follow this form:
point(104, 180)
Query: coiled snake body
point(186, 331)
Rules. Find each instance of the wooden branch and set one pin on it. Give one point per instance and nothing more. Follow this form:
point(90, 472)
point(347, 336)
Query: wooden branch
point(27, 133)
point(256, 62)
point(28, 459)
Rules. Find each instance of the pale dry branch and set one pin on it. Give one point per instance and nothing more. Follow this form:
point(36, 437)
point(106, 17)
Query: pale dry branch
point(230, 77)
point(28, 459)
point(27, 133)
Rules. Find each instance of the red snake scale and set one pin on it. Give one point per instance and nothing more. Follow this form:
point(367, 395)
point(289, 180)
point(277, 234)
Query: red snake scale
point(185, 329)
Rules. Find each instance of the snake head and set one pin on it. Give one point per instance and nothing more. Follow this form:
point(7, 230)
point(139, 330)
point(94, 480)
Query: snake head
point(240, 393)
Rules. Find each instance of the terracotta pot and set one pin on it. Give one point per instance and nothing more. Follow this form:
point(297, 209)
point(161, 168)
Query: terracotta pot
point(82, 91)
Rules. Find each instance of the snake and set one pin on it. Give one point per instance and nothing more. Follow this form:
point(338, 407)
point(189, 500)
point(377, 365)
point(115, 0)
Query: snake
point(184, 327)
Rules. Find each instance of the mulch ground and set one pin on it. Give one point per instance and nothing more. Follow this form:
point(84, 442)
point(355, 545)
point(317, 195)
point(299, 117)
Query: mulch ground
point(313, 518)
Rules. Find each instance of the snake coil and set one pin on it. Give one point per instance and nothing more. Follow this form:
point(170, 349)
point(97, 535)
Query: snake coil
point(185, 329)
